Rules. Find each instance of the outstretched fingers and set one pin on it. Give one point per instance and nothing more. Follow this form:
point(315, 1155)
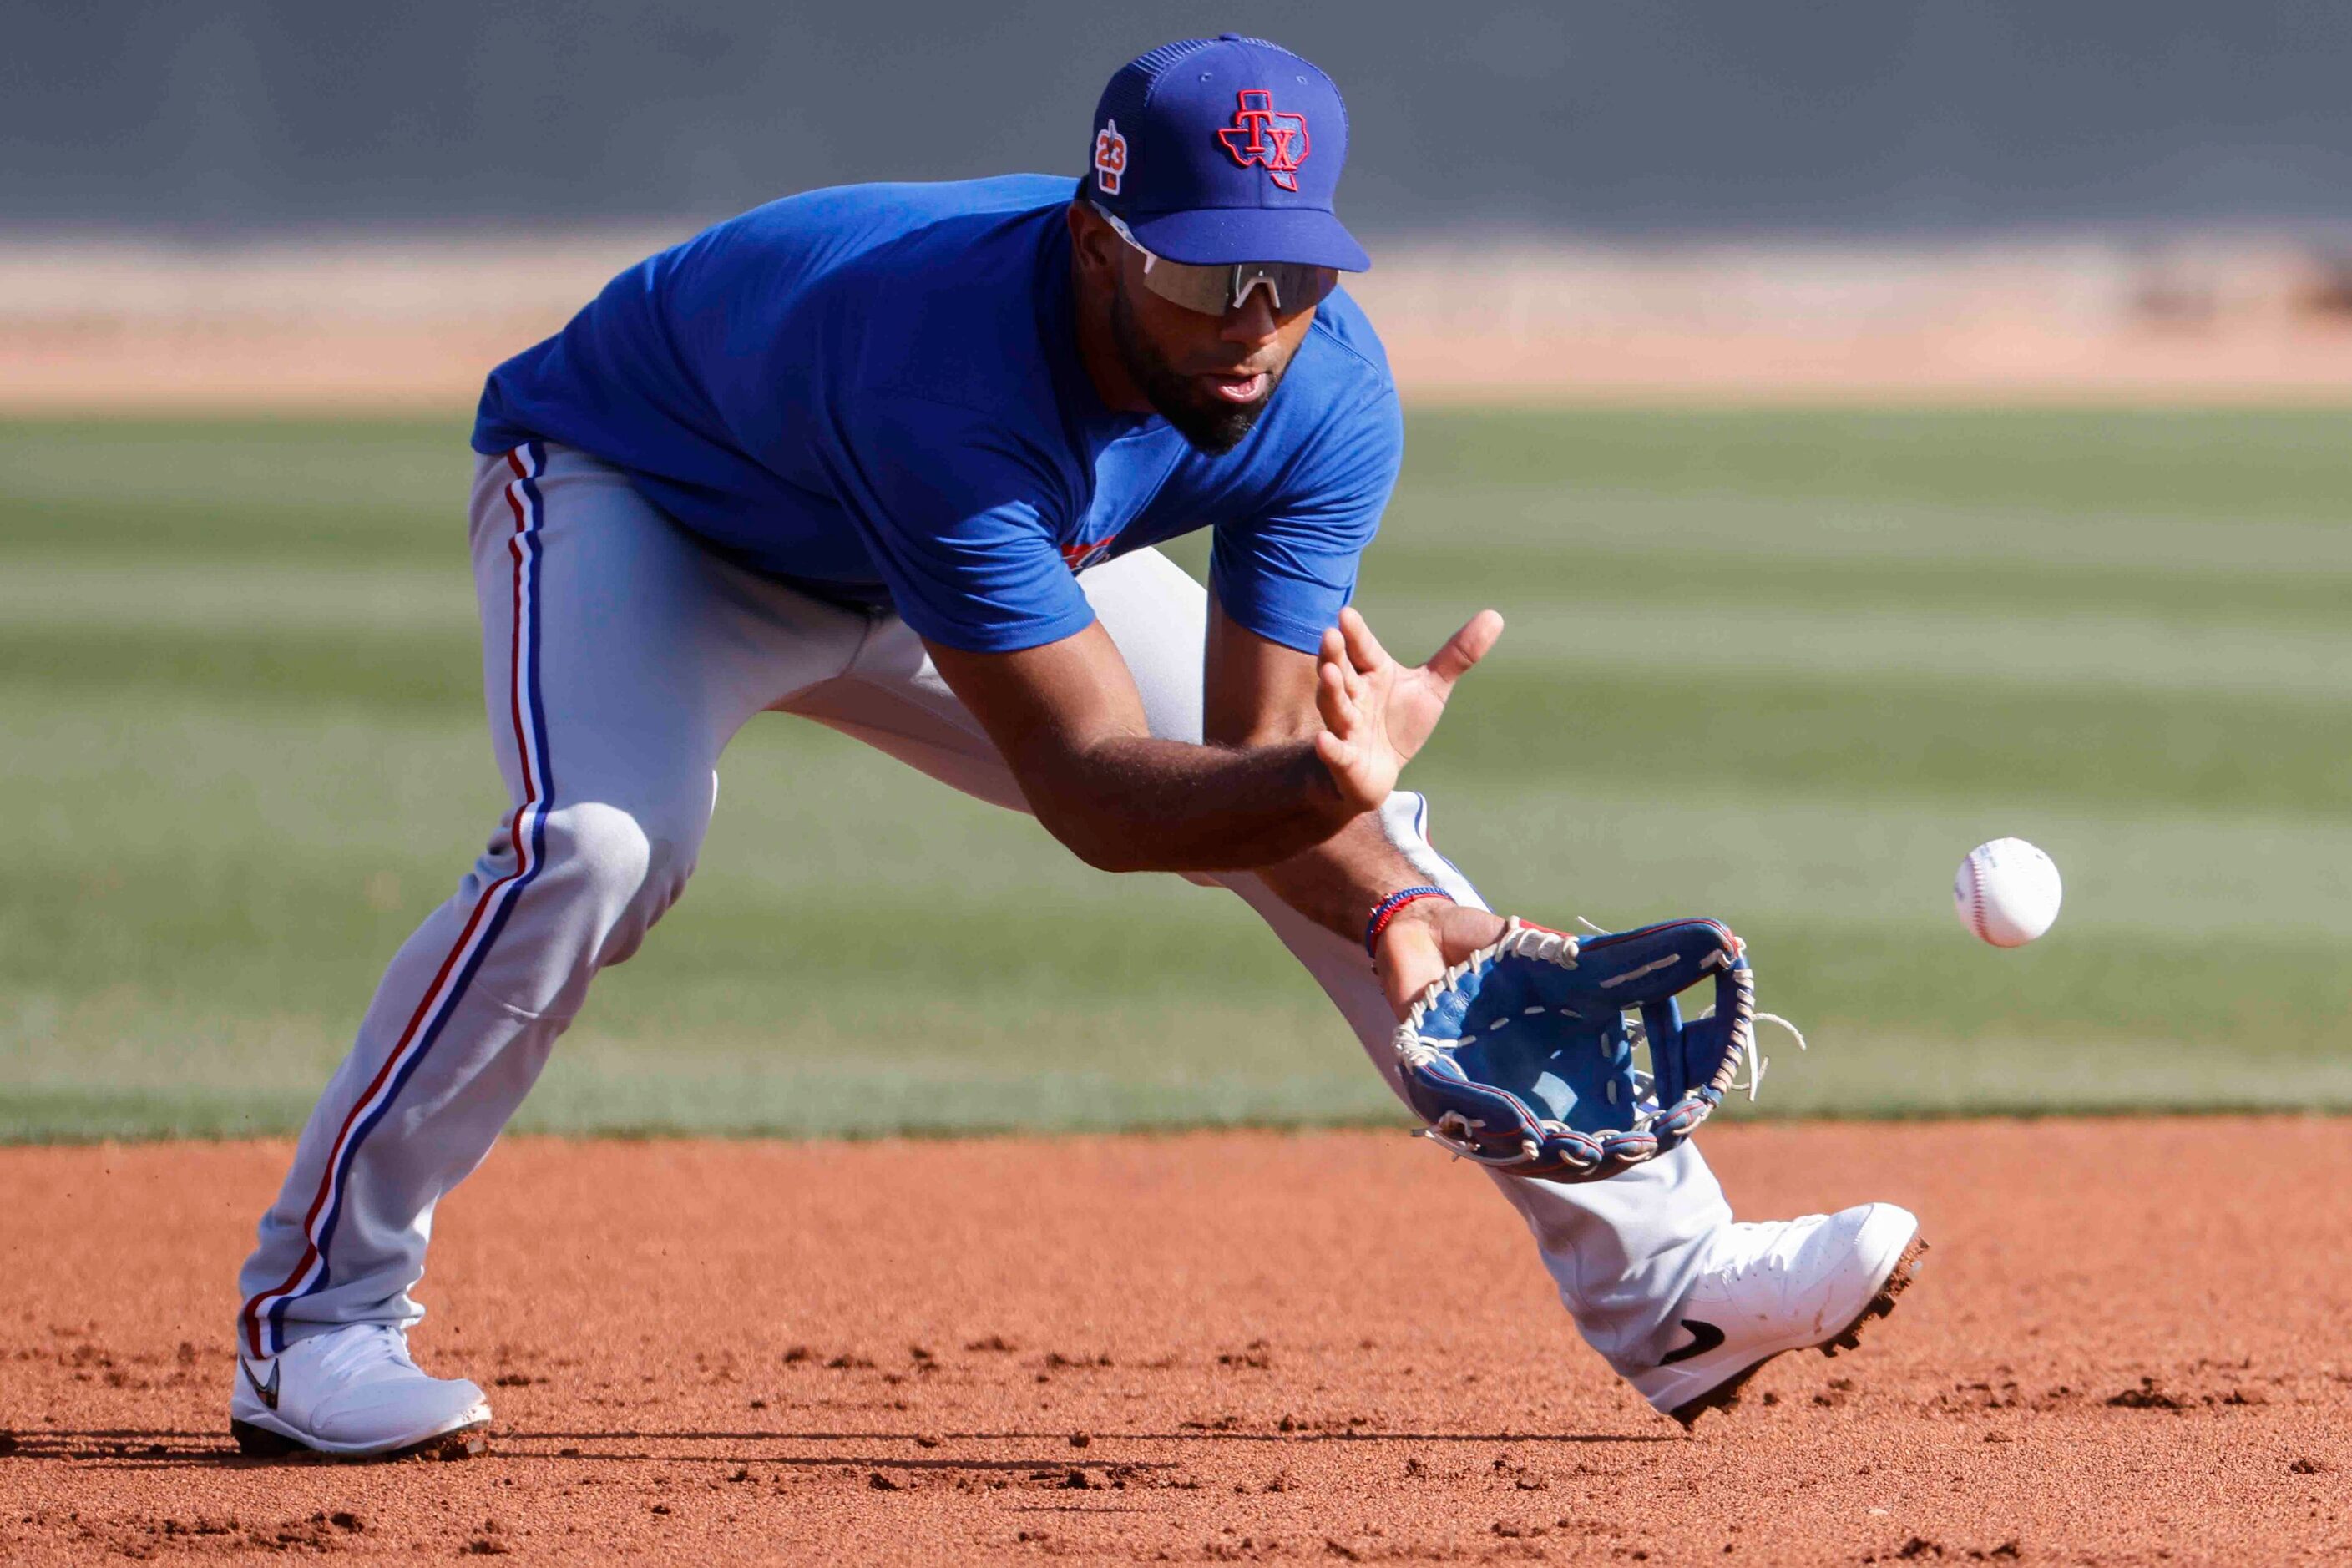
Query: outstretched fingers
point(1364, 650)
point(1334, 655)
point(1333, 700)
point(1466, 647)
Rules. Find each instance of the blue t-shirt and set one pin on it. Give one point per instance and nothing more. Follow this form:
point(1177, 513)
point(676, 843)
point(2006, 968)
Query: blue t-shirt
point(875, 392)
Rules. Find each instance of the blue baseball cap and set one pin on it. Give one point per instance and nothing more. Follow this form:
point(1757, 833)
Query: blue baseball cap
point(1224, 150)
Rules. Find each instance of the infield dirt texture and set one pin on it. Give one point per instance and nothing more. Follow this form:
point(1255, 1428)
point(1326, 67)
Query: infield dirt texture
point(1213, 1347)
point(1783, 668)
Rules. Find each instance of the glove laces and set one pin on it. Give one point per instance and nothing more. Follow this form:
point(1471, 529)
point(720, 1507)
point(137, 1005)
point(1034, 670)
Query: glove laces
point(1753, 1057)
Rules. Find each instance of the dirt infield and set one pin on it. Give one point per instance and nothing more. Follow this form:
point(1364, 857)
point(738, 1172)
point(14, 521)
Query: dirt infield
point(2128, 1346)
point(372, 323)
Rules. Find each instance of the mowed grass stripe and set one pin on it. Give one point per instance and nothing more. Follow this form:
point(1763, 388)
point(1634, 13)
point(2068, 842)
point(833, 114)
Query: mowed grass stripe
point(340, 532)
point(1629, 719)
point(1676, 584)
point(303, 673)
point(338, 491)
point(1829, 484)
point(1986, 640)
point(50, 596)
point(767, 1061)
point(823, 853)
point(1985, 644)
point(1618, 855)
point(1558, 518)
point(2220, 464)
point(290, 909)
point(1682, 723)
point(1841, 980)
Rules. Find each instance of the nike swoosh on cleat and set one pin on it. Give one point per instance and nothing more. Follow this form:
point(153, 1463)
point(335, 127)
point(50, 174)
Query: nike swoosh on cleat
point(267, 1393)
point(1705, 1337)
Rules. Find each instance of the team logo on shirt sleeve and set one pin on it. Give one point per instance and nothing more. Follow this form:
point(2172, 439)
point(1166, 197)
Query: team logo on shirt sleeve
point(1081, 553)
point(1110, 157)
point(1262, 134)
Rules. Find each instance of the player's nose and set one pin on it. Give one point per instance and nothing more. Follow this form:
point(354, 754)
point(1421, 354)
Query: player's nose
point(1253, 322)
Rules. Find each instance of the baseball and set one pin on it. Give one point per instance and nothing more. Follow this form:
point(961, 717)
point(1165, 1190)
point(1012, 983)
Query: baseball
point(2007, 892)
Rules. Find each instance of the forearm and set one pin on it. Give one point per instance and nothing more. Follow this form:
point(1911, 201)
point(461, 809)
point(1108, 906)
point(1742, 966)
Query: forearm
point(1133, 804)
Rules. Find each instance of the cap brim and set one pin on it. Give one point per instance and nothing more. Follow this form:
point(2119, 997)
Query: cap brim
point(1216, 236)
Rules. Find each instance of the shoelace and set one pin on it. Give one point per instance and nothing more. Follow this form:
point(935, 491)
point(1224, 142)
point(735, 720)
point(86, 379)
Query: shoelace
point(1768, 1263)
point(1772, 1261)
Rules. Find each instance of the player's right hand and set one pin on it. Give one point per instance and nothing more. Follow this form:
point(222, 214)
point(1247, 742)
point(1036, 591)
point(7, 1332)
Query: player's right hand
point(1377, 713)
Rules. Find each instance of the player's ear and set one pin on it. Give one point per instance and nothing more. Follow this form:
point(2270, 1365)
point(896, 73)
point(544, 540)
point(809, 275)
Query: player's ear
point(1094, 245)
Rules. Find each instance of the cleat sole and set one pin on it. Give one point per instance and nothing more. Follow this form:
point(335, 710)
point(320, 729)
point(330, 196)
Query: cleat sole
point(464, 1442)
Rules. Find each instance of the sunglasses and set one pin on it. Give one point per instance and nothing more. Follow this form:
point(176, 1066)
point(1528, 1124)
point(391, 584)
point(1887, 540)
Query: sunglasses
point(1212, 290)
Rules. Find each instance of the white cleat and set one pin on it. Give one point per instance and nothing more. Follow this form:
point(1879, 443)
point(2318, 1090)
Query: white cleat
point(354, 1393)
point(1785, 1285)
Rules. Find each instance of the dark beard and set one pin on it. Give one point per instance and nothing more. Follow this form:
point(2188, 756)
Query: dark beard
point(1212, 427)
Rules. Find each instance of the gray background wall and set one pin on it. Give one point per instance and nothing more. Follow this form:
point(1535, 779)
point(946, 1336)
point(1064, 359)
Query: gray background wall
point(1661, 116)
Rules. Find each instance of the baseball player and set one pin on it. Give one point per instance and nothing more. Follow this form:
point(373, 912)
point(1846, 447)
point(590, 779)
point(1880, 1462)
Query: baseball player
point(894, 458)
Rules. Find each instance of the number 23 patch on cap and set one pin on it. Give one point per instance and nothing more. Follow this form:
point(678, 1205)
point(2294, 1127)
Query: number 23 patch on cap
point(1110, 157)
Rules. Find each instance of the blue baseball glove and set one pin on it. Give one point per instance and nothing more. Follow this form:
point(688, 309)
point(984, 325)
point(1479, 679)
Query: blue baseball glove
point(1522, 1056)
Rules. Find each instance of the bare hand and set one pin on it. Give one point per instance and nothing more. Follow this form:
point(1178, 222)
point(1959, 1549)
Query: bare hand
point(1377, 713)
point(1427, 938)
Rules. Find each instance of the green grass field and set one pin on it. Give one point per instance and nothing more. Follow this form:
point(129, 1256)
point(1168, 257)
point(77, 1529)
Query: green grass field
point(1781, 667)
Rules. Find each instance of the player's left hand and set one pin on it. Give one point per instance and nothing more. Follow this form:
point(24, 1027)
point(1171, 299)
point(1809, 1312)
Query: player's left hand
point(1423, 942)
point(1377, 713)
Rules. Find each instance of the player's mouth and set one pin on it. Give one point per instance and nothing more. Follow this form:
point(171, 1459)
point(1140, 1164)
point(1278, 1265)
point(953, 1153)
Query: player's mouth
point(1237, 388)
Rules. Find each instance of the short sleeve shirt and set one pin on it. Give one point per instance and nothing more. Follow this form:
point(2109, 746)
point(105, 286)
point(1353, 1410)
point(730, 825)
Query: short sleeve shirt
point(873, 393)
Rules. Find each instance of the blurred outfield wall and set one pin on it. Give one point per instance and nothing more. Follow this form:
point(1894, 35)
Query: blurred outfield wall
point(1667, 118)
point(255, 205)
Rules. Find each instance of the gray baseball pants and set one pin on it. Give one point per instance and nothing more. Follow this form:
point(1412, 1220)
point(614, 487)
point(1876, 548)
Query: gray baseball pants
point(618, 659)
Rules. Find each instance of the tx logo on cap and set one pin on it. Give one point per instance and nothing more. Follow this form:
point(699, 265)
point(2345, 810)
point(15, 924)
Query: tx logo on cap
point(1110, 157)
point(1259, 134)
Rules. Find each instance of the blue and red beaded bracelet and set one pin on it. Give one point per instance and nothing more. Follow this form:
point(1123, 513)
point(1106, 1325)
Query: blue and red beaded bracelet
point(1386, 911)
